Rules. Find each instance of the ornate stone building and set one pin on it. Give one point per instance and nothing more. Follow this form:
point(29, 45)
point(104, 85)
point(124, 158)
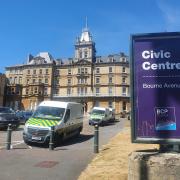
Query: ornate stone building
point(30, 83)
point(2, 88)
point(86, 78)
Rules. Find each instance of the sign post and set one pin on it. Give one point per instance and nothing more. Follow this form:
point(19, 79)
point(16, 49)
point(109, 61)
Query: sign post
point(155, 81)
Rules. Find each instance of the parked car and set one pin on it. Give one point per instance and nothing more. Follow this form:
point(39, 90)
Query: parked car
point(20, 116)
point(8, 116)
point(100, 116)
point(24, 116)
point(27, 114)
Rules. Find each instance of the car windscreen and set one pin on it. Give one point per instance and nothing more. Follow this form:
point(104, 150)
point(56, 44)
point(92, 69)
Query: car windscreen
point(97, 111)
point(5, 110)
point(47, 112)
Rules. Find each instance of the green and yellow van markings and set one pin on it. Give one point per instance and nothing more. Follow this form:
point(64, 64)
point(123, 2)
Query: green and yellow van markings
point(42, 122)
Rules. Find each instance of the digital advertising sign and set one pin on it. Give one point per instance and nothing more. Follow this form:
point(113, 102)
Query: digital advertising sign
point(155, 88)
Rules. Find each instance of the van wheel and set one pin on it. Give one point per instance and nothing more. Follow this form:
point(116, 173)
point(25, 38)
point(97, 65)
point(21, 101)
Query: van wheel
point(58, 139)
point(78, 132)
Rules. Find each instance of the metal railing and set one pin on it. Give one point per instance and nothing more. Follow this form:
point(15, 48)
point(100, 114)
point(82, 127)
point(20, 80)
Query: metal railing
point(92, 95)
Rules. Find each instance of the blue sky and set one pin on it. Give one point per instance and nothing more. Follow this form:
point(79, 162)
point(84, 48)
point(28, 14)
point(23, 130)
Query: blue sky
point(33, 26)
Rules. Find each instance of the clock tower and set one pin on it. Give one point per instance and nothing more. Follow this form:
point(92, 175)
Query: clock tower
point(85, 47)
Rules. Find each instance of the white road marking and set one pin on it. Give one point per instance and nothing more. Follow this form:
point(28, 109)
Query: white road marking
point(18, 142)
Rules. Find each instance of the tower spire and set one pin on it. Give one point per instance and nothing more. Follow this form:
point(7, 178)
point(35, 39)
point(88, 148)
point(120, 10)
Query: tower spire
point(86, 22)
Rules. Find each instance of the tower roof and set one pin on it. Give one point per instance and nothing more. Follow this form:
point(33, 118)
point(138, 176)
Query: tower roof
point(86, 35)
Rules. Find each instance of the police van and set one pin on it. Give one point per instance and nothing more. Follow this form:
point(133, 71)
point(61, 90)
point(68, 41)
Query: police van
point(100, 116)
point(66, 117)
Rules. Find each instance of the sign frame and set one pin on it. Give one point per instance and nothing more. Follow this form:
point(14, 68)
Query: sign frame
point(134, 137)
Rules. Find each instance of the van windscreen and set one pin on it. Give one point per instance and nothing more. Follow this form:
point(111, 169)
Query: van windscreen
point(97, 111)
point(48, 112)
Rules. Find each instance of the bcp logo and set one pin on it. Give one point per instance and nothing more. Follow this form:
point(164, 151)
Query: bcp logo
point(162, 111)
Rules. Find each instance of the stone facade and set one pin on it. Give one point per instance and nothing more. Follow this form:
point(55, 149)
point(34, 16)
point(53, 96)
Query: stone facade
point(29, 84)
point(2, 88)
point(86, 78)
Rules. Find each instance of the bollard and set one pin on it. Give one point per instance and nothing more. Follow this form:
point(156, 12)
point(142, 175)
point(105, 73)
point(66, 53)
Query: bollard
point(96, 138)
point(8, 142)
point(51, 141)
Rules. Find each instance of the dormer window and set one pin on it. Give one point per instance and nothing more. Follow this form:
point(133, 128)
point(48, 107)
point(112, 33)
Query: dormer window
point(123, 59)
point(98, 60)
point(111, 59)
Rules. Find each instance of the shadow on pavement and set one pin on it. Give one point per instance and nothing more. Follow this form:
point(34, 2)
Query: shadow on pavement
point(70, 141)
point(75, 140)
point(13, 129)
point(18, 129)
point(111, 123)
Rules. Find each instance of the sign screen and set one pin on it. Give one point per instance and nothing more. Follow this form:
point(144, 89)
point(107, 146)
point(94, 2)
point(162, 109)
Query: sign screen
point(155, 81)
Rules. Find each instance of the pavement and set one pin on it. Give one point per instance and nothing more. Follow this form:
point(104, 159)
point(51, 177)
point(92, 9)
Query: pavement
point(112, 161)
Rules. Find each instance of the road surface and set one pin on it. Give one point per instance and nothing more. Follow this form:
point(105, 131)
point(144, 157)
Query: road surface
point(66, 162)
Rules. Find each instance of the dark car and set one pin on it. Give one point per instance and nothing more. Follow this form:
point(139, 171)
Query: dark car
point(8, 116)
point(24, 116)
point(27, 115)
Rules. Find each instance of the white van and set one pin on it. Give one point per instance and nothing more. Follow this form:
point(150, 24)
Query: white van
point(66, 117)
point(99, 115)
point(112, 114)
